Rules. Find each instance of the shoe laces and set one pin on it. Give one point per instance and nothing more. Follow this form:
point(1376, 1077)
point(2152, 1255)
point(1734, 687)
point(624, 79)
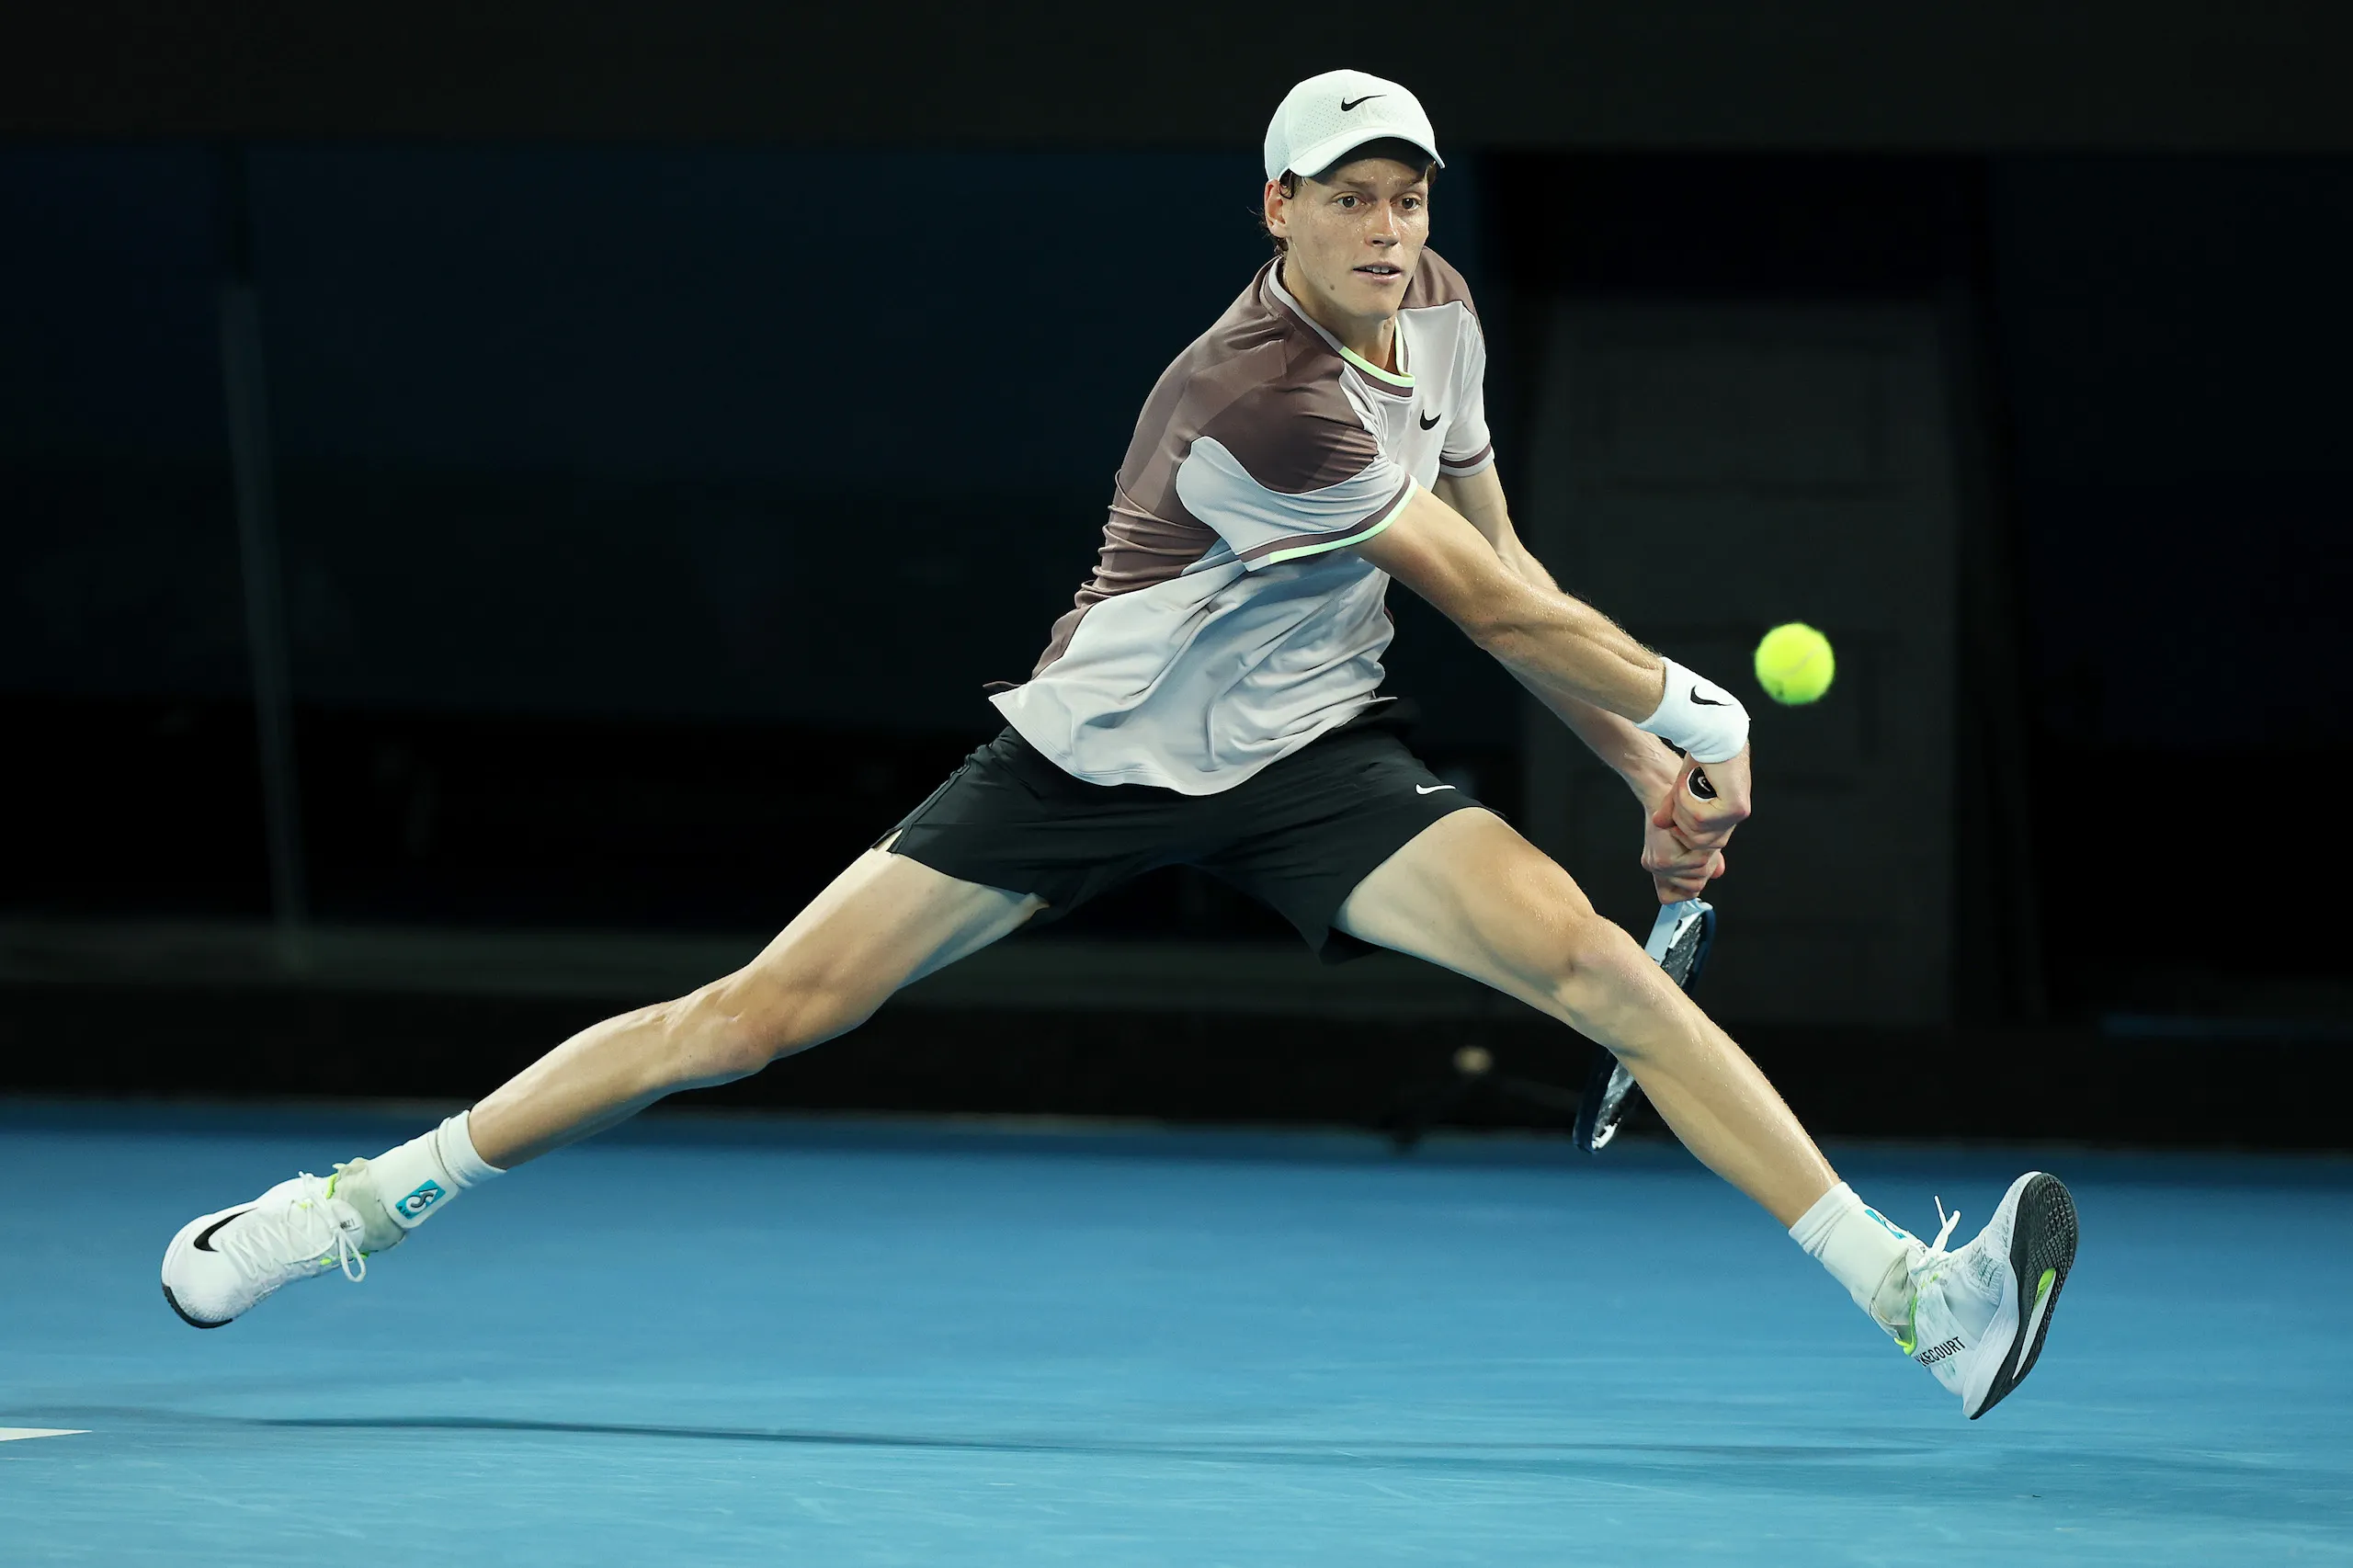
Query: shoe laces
point(304, 1215)
point(1924, 1267)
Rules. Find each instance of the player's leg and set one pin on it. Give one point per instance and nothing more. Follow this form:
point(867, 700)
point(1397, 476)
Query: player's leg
point(1470, 894)
point(1473, 895)
point(885, 921)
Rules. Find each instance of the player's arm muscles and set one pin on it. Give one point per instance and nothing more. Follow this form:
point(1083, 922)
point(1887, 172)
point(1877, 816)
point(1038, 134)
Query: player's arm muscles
point(1563, 650)
point(1646, 765)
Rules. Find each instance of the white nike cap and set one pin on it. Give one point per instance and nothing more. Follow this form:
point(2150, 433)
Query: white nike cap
point(1326, 115)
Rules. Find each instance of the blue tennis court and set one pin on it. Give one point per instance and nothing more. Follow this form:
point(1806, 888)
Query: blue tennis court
point(714, 1342)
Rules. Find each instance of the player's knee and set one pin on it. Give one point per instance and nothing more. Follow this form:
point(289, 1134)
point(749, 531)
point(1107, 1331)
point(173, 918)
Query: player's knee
point(735, 1026)
point(1567, 944)
point(1584, 957)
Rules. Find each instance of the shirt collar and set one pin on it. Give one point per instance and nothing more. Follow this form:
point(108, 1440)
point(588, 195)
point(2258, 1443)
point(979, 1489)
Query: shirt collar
point(1386, 381)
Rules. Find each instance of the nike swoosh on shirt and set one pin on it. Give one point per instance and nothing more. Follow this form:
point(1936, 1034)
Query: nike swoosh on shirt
point(1429, 420)
point(1430, 789)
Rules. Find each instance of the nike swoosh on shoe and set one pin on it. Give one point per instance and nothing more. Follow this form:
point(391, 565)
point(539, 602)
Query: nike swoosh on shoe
point(2033, 1324)
point(203, 1242)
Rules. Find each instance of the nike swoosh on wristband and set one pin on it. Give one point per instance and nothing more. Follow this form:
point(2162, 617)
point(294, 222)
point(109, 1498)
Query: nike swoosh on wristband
point(1430, 789)
point(204, 1241)
point(1706, 701)
point(1348, 104)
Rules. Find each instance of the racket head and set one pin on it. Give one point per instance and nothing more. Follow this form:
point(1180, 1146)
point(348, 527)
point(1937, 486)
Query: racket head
point(1686, 948)
point(1609, 1094)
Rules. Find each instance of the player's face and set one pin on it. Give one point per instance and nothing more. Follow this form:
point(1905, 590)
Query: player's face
point(1353, 242)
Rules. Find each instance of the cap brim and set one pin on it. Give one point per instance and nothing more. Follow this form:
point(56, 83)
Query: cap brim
point(1315, 160)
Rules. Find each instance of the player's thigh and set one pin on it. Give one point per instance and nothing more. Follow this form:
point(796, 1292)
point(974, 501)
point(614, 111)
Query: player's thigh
point(884, 922)
point(1470, 893)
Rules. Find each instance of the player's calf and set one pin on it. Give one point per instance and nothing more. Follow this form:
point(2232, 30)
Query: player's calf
point(222, 1265)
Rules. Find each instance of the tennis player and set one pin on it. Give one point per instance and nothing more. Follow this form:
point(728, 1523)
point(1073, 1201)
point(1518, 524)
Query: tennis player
point(1214, 698)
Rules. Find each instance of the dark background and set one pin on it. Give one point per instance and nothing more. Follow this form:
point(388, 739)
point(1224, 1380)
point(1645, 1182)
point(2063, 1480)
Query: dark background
point(673, 420)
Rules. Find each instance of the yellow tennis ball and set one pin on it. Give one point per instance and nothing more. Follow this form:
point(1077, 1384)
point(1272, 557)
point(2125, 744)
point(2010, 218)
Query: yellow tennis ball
point(1794, 663)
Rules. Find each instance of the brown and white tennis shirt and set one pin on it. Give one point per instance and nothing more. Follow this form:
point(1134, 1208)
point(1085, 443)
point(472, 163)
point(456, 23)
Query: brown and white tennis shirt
point(1228, 624)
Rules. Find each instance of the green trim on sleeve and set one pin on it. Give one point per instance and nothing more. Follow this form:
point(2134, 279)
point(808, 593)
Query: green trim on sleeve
point(1394, 513)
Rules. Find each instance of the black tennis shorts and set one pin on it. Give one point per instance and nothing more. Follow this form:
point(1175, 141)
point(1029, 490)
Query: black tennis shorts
point(1299, 835)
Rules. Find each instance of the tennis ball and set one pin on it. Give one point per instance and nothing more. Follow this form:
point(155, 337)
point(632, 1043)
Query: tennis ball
point(1794, 664)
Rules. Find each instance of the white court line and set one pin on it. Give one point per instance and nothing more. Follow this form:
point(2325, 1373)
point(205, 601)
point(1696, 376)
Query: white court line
point(14, 1434)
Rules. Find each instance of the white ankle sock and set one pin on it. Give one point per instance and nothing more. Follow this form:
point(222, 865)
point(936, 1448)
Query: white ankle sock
point(1860, 1246)
point(425, 1173)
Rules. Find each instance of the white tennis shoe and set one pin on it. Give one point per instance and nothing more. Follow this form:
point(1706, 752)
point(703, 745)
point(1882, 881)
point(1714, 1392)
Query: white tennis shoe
point(1979, 1315)
point(222, 1265)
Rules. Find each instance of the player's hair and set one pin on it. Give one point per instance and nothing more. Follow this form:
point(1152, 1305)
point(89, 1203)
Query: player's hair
point(1388, 147)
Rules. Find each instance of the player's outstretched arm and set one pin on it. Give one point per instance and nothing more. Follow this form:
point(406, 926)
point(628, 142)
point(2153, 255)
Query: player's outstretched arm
point(1559, 648)
point(1568, 654)
point(1479, 498)
point(1652, 771)
point(1647, 766)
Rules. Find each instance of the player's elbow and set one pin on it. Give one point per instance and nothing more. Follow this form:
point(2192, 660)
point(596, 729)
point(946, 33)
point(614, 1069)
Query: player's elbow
point(1504, 626)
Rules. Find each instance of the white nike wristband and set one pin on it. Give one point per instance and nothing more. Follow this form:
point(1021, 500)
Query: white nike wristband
point(1702, 717)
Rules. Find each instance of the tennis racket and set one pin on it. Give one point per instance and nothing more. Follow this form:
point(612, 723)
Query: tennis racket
point(1679, 941)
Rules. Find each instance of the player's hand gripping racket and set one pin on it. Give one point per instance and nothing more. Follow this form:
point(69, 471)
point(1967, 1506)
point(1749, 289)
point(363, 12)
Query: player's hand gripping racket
point(1679, 941)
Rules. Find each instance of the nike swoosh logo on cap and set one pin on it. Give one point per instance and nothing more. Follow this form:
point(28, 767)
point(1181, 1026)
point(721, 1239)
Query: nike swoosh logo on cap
point(1348, 104)
point(1430, 789)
